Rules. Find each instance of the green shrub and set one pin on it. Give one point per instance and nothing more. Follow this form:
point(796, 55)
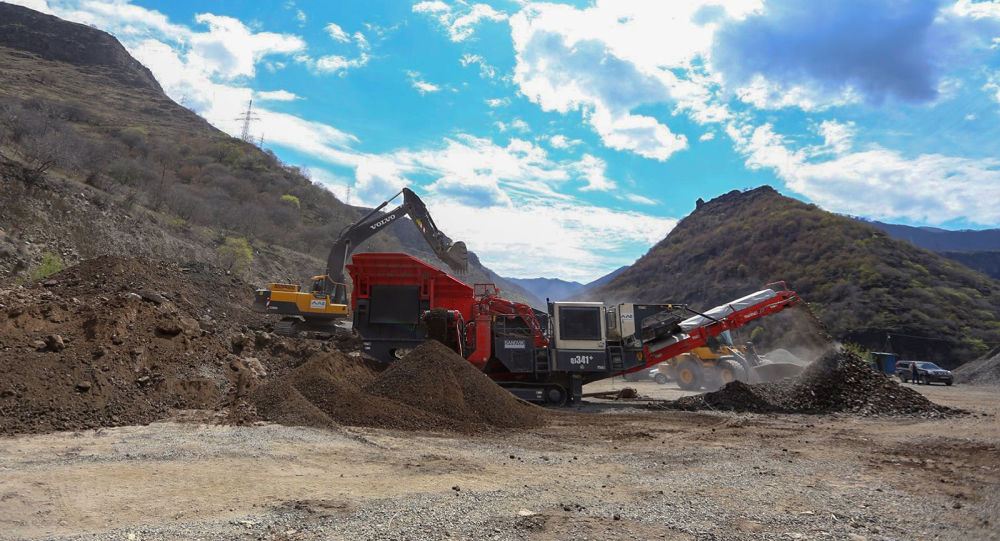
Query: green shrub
point(235, 254)
point(291, 200)
point(51, 264)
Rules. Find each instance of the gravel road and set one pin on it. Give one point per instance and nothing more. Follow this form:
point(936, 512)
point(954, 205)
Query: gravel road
point(611, 472)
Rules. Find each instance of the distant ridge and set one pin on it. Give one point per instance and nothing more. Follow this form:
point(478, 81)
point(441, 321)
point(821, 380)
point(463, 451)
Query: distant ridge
point(860, 282)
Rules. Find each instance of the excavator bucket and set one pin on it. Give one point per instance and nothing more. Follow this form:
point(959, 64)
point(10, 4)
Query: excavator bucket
point(457, 257)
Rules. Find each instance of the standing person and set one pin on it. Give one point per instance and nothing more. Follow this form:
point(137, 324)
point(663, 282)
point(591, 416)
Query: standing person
point(914, 375)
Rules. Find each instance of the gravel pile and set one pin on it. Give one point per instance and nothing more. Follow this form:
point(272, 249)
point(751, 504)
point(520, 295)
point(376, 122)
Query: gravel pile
point(983, 371)
point(431, 388)
point(839, 382)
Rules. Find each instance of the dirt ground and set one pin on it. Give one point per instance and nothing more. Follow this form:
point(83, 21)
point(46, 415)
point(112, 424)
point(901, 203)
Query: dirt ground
point(612, 471)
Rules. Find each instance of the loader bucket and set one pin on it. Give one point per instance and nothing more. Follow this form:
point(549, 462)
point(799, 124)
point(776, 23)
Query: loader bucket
point(776, 371)
point(457, 257)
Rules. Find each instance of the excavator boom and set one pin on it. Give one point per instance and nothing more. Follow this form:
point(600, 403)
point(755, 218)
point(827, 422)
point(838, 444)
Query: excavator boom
point(455, 254)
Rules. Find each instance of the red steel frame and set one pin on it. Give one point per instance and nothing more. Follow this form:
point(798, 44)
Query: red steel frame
point(699, 336)
point(439, 288)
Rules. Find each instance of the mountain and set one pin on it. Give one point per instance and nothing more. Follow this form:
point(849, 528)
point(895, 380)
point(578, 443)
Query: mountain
point(54, 39)
point(604, 279)
point(861, 283)
point(978, 250)
point(561, 290)
point(548, 288)
point(95, 159)
point(986, 262)
point(940, 240)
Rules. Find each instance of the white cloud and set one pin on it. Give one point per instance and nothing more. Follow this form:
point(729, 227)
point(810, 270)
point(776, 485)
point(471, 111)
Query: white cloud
point(517, 125)
point(37, 5)
point(424, 87)
point(771, 95)
point(497, 102)
point(337, 33)
point(230, 49)
point(592, 240)
point(431, 7)
point(277, 95)
point(465, 25)
point(421, 86)
point(707, 136)
point(613, 57)
point(461, 22)
point(361, 41)
point(594, 171)
point(333, 64)
point(993, 85)
point(640, 199)
point(486, 71)
point(563, 142)
point(301, 17)
point(837, 137)
point(877, 182)
point(338, 185)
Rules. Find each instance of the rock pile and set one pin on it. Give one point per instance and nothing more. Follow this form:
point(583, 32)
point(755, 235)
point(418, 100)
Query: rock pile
point(431, 388)
point(839, 382)
point(982, 371)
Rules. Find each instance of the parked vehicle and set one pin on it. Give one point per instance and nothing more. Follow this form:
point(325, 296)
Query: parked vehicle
point(926, 373)
point(659, 376)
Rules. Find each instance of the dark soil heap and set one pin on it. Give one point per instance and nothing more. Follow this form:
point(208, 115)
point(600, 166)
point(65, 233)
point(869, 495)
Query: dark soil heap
point(839, 382)
point(431, 388)
point(116, 341)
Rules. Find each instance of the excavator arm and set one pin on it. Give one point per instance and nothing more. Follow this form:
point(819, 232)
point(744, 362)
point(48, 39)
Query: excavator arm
point(455, 254)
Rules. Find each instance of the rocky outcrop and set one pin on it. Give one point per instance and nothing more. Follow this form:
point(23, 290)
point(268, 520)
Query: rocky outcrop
point(55, 39)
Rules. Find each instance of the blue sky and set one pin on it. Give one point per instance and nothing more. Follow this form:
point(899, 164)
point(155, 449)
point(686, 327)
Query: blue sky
point(564, 139)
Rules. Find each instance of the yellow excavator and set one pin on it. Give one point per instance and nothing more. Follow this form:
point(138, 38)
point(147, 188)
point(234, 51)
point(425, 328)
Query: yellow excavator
point(326, 301)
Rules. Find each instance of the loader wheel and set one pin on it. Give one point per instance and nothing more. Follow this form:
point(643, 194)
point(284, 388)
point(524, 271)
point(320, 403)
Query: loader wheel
point(690, 375)
point(730, 371)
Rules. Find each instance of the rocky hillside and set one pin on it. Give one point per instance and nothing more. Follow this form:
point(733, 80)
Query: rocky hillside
point(95, 159)
point(861, 283)
point(51, 38)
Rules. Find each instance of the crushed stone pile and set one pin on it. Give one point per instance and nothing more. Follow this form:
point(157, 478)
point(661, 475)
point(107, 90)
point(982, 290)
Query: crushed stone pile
point(839, 382)
point(982, 371)
point(116, 341)
point(431, 388)
point(784, 356)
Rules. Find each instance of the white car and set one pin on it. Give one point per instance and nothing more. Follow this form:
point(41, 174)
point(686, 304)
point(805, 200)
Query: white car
point(659, 376)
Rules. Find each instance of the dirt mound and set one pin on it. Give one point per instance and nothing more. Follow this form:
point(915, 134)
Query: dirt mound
point(431, 388)
point(983, 371)
point(116, 341)
point(837, 382)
